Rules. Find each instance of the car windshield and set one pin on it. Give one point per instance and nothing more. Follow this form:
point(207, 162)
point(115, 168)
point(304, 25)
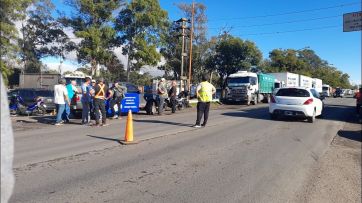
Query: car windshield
point(293, 92)
point(325, 88)
point(44, 93)
point(233, 82)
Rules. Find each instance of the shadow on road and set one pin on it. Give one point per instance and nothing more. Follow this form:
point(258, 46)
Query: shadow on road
point(163, 122)
point(104, 138)
point(331, 112)
point(351, 135)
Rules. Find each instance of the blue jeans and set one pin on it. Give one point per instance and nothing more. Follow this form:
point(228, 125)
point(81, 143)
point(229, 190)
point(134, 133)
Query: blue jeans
point(60, 111)
point(66, 113)
point(85, 112)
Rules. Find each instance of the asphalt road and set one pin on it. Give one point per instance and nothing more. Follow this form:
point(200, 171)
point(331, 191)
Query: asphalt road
point(241, 156)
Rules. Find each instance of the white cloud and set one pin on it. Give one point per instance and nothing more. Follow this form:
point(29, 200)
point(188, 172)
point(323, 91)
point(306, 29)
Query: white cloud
point(65, 66)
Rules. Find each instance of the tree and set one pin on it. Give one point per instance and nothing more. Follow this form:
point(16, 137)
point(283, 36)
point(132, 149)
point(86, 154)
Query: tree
point(141, 26)
point(92, 23)
point(234, 54)
point(42, 36)
point(200, 42)
point(10, 11)
point(171, 51)
point(306, 62)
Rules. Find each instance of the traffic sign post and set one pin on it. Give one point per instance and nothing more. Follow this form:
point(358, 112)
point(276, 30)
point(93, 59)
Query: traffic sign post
point(352, 21)
point(131, 102)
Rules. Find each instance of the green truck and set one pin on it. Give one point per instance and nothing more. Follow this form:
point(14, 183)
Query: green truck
point(249, 87)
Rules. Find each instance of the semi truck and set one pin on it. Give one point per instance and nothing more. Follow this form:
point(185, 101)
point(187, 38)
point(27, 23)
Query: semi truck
point(286, 79)
point(249, 87)
point(305, 81)
point(327, 90)
point(317, 84)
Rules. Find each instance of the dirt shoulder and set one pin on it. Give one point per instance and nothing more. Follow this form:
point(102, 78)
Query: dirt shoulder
point(337, 176)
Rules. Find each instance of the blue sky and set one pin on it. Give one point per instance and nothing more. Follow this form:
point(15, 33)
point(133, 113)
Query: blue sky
point(262, 22)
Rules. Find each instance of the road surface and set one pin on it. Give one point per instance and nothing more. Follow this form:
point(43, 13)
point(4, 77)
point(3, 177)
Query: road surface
point(241, 156)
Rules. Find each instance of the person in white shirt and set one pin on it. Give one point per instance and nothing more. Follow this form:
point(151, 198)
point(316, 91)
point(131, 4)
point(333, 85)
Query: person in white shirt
point(60, 99)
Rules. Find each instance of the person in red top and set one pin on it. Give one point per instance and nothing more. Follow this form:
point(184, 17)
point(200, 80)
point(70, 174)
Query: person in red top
point(358, 97)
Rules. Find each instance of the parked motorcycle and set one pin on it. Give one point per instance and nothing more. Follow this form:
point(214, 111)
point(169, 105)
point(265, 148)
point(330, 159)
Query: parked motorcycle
point(18, 107)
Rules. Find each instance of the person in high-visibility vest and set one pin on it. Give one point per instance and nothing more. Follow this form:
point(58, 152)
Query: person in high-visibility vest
point(100, 95)
point(204, 92)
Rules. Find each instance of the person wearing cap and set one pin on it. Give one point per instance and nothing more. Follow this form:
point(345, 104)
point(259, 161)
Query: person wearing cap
point(162, 95)
point(60, 99)
point(100, 95)
point(118, 92)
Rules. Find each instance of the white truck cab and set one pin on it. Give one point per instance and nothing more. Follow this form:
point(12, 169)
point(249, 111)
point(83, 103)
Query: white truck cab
point(242, 86)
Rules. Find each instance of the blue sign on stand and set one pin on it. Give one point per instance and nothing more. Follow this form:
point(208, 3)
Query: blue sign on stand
point(131, 102)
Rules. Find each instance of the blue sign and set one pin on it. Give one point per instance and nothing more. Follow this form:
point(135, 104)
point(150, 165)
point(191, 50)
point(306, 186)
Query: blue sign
point(131, 102)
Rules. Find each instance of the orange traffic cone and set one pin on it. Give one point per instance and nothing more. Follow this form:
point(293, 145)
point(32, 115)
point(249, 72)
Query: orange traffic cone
point(128, 137)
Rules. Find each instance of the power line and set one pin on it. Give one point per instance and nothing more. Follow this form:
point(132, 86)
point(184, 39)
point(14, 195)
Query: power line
point(288, 13)
point(280, 23)
point(291, 31)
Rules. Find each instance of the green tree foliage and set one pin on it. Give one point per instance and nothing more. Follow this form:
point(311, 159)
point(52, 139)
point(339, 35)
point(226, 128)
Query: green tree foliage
point(171, 51)
point(140, 79)
point(92, 23)
point(141, 26)
point(10, 11)
point(233, 54)
point(42, 36)
point(305, 62)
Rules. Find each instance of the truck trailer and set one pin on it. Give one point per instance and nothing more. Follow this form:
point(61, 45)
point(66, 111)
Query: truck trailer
point(286, 79)
point(249, 87)
point(305, 81)
point(317, 84)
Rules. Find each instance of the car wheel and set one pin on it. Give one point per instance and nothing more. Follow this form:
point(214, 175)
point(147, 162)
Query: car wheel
point(312, 118)
point(273, 116)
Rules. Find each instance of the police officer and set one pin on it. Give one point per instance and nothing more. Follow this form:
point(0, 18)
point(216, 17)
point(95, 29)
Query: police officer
point(204, 93)
point(100, 95)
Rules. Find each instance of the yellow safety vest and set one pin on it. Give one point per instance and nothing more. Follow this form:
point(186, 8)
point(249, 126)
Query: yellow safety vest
point(101, 94)
point(205, 93)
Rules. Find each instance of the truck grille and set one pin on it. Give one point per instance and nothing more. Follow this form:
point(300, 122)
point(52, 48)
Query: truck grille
point(238, 91)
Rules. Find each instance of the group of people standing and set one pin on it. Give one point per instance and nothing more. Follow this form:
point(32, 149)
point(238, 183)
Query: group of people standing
point(94, 94)
point(204, 93)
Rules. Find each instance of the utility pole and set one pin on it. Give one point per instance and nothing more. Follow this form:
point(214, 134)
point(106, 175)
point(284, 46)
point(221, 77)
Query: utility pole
point(183, 26)
point(191, 38)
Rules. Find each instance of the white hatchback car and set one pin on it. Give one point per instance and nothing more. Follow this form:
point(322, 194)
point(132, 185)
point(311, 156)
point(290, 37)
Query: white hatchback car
point(296, 102)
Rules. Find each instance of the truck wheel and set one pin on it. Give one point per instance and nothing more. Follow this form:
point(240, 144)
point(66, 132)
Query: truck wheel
point(268, 99)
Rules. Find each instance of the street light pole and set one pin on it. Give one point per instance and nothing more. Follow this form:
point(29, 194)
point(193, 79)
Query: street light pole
point(191, 38)
point(183, 54)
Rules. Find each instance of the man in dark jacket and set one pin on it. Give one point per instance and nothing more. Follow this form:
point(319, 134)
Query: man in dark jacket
point(172, 95)
point(118, 92)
